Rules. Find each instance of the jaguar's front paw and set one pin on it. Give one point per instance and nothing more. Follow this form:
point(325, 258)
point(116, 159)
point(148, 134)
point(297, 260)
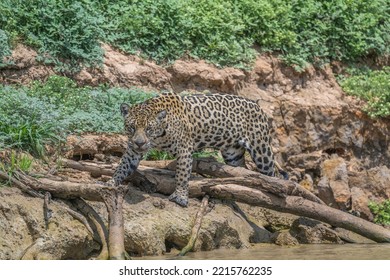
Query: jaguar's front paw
point(110, 183)
point(182, 200)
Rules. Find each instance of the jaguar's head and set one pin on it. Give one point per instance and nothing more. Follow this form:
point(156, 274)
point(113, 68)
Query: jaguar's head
point(143, 124)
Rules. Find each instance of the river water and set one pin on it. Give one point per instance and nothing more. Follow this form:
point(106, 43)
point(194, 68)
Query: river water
point(298, 252)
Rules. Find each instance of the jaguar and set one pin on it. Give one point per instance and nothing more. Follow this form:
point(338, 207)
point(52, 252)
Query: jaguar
point(184, 124)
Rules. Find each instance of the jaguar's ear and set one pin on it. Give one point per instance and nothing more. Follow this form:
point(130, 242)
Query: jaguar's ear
point(161, 115)
point(124, 109)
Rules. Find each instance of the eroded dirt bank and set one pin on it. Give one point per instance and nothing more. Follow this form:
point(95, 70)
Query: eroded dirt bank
point(322, 138)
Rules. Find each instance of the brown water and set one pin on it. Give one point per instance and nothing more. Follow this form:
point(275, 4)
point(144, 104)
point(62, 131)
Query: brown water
point(299, 252)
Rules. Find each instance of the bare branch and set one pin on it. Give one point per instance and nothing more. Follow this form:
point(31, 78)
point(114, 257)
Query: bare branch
point(197, 225)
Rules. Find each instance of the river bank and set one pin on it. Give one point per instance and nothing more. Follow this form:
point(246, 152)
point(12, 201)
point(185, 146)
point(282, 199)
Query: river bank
point(321, 137)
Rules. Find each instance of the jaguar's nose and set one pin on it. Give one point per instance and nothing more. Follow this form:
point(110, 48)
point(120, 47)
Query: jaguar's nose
point(139, 142)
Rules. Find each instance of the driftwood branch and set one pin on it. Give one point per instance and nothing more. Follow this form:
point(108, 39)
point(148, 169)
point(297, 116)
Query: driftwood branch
point(113, 199)
point(253, 179)
point(24, 188)
point(47, 212)
point(197, 225)
point(96, 170)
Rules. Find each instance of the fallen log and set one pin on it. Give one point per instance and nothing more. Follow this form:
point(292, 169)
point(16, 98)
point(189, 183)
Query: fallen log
point(211, 167)
point(96, 170)
point(164, 180)
point(101, 169)
point(301, 207)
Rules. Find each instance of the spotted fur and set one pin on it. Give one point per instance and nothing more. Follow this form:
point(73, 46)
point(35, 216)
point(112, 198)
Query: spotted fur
point(181, 125)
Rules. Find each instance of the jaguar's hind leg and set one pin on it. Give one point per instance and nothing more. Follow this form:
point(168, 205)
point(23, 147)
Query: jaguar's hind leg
point(234, 156)
point(262, 155)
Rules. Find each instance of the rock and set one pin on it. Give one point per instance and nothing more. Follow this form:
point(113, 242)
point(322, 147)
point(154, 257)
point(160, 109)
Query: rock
point(309, 231)
point(284, 238)
point(200, 76)
point(271, 220)
point(333, 187)
point(369, 185)
point(23, 234)
point(325, 192)
point(307, 161)
point(360, 203)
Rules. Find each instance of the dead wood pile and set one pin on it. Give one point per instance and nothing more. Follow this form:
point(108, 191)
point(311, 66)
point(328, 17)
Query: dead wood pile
point(217, 180)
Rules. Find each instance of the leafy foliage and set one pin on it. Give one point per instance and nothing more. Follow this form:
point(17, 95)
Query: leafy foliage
point(338, 30)
point(224, 31)
point(68, 33)
point(4, 47)
point(27, 122)
point(216, 30)
point(157, 155)
point(372, 86)
point(44, 113)
point(165, 30)
point(154, 28)
point(381, 212)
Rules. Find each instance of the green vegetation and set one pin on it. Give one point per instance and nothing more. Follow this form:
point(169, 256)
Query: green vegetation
point(157, 155)
point(12, 162)
point(4, 47)
point(208, 153)
point(371, 86)
point(16, 161)
point(66, 33)
point(160, 155)
point(69, 33)
point(32, 117)
point(381, 212)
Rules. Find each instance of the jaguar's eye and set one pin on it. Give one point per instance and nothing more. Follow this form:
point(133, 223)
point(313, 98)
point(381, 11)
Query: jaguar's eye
point(148, 130)
point(131, 129)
